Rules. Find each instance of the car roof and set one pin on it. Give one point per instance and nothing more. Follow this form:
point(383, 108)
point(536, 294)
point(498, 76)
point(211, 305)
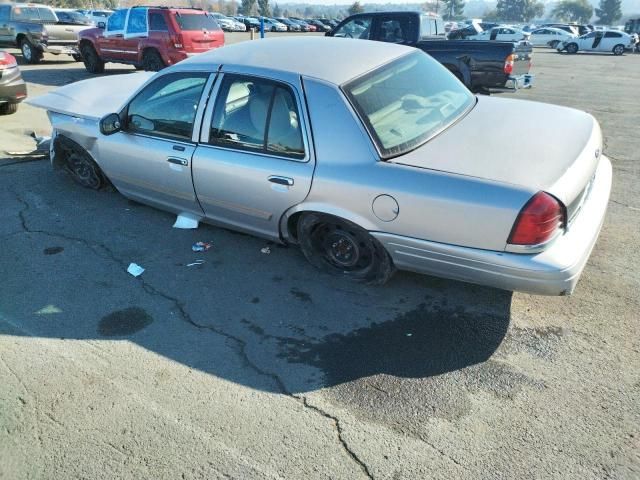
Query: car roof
point(335, 60)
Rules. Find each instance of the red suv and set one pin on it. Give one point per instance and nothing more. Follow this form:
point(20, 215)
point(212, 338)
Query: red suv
point(150, 38)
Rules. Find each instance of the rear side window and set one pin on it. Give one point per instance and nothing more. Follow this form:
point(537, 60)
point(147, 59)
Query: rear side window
point(167, 107)
point(47, 15)
point(157, 22)
point(137, 23)
point(612, 35)
point(258, 115)
point(196, 21)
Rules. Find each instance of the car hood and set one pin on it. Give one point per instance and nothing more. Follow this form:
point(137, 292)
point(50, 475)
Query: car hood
point(93, 98)
point(533, 145)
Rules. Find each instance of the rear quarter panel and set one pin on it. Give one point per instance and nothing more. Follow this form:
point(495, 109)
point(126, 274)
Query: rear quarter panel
point(433, 205)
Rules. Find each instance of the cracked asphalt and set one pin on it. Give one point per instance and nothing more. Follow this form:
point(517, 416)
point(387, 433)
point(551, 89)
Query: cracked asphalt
point(254, 365)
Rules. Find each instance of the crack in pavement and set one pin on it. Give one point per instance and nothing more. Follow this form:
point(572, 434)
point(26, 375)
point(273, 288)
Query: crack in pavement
point(180, 306)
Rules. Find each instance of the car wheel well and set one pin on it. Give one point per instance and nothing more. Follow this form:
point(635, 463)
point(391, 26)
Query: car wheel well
point(63, 145)
point(19, 39)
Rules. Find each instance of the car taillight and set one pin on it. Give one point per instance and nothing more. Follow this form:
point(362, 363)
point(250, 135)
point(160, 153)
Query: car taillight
point(508, 64)
point(177, 41)
point(538, 221)
point(7, 61)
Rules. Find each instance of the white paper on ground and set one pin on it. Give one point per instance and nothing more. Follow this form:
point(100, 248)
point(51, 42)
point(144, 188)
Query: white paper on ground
point(186, 221)
point(135, 269)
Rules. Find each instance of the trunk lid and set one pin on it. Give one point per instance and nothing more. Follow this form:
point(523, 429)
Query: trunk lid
point(534, 145)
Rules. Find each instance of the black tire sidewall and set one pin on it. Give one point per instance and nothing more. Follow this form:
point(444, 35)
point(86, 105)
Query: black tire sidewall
point(36, 55)
point(152, 61)
point(90, 58)
point(377, 273)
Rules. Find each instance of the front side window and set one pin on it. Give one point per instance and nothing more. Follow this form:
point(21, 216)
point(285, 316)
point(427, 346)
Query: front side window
point(167, 107)
point(5, 11)
point(115, 23)
point(357, 28)
point(26, 14)
point(258, 115)
point(137, 22)
point(406, 102)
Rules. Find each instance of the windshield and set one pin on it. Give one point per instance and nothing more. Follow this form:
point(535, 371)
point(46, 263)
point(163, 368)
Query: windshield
point(408, 101)
point(196, 21)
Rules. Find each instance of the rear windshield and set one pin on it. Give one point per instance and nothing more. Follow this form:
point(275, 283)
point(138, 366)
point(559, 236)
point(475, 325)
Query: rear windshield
point(406, 102)
point(196, 21)
point(72, 17)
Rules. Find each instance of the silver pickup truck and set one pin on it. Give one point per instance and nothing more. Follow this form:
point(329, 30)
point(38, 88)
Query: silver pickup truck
point(36, 29)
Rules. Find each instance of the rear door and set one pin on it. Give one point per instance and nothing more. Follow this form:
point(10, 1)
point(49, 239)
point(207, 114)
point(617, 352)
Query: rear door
point(255, 160)
point(6, 37)
point(199, 31)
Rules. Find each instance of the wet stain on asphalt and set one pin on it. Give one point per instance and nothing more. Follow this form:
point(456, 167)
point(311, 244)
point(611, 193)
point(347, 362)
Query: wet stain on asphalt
point(255, 300)
point(423, 342)
point(277, 279)
point(124, 322)
point(300, 295)
point(52, 250)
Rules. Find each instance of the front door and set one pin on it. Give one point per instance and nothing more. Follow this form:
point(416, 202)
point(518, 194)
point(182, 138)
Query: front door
point(255, 160)
point(150, 159)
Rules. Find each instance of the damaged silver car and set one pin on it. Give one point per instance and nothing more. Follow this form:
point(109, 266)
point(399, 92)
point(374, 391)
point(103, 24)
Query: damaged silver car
point(382, 161)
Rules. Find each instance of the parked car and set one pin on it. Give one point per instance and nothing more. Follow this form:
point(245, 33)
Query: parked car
point(320, 27)
point(13, 89)
point(383, 180)
point(72, 17)
point(305, 24)
point(572, 29)
point(481, 66)
point(600, 41)
point(150, 38)
point(291, 25)
point(501, 34)
point(549, 36)
point(272, 25)
point(227, 24)
point(249, 22)
point(97, 16)
point(35, 29)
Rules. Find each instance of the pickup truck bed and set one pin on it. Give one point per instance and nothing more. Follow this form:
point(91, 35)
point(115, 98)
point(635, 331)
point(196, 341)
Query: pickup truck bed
point(483, 66)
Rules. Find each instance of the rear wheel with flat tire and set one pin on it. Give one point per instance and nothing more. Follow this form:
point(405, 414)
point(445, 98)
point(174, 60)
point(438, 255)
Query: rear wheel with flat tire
point(339, 247)
point(79, 164)
point(152, 61)
point(30, 53)
point(92, 61)
point(8, 108)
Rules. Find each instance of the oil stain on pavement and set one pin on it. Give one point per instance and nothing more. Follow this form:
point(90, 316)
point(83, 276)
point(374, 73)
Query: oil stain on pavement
point(124, 322)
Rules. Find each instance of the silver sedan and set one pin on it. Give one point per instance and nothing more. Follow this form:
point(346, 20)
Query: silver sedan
point(370, 156)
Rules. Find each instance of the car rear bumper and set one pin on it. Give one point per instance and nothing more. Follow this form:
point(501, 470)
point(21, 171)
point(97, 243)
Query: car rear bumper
point(517, 82)
point(13, 88)
point(554, 271)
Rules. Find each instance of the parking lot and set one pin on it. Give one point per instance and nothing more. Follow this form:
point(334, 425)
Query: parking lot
point(255, 365)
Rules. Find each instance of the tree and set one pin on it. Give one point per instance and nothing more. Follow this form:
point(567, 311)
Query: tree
point(609, 11)
point(277, 11)
point(263, 8)
point(519, 10)
point(356, 8)
point(248, 7)
point(452, 9)
point(579, 11)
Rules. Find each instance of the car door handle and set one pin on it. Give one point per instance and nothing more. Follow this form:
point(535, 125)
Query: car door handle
point(281, 180)
point(178, 161)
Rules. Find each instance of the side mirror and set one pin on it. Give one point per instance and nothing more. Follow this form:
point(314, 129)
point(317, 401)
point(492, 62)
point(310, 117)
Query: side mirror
point(110, 124)
point(102, 25)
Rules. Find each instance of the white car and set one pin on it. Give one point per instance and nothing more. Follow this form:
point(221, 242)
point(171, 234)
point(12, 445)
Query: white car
point(549, 36)
point(501, 34)
point(600, 41)
point(97, 16)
